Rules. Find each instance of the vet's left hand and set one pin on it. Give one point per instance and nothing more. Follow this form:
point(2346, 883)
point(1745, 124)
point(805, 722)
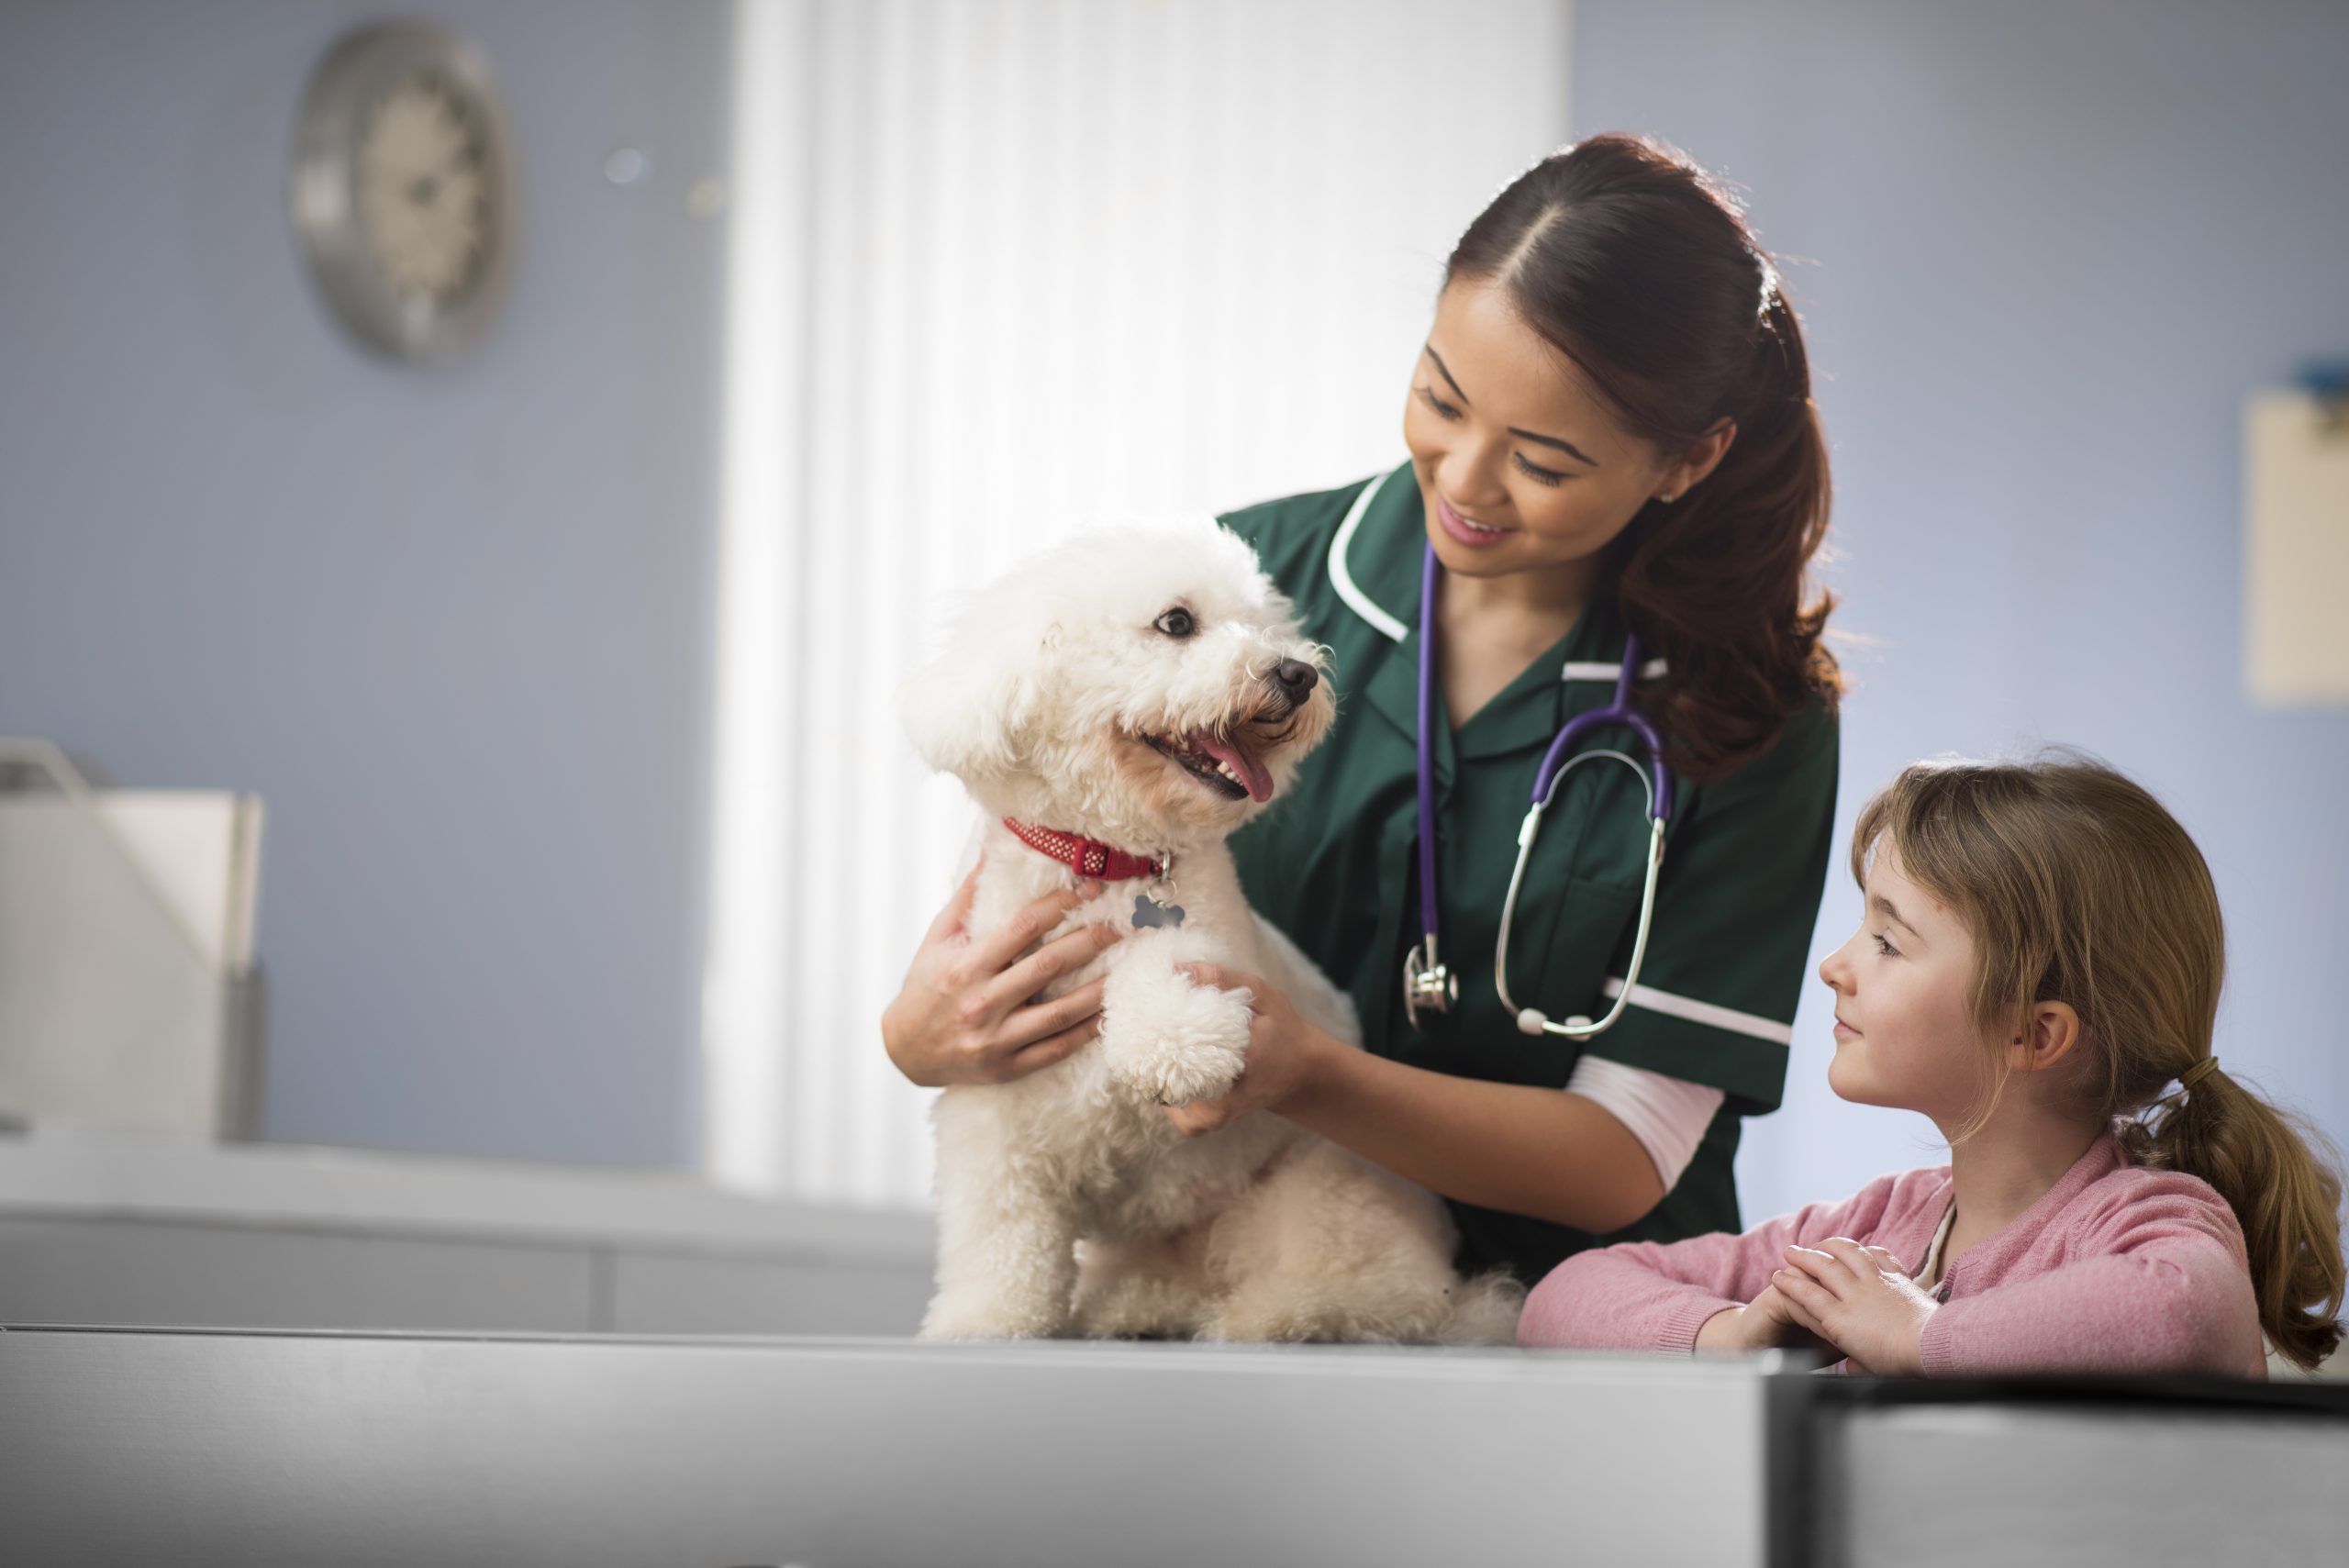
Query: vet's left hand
point(1283, 1050)
point(1859, 1300)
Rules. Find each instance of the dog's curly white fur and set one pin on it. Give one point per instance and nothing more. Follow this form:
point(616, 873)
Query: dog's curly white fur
point(1148, 687)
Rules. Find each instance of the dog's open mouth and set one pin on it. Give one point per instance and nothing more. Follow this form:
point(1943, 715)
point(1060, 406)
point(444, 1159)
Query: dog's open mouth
point(1223, 765)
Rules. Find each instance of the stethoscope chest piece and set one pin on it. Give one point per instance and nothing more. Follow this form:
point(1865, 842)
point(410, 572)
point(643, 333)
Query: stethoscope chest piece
point(1427, 983)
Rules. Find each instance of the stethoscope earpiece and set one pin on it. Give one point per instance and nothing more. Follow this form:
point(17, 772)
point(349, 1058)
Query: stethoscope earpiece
point(1533, 1020)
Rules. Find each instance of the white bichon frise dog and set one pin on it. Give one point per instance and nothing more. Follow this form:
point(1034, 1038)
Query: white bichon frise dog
point(1118, 706)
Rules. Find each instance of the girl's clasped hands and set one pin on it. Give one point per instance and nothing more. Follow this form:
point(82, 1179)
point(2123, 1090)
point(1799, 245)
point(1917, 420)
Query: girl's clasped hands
point(1840, 1298)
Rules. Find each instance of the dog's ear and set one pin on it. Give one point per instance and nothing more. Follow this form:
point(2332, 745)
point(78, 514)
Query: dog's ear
point(970, 709)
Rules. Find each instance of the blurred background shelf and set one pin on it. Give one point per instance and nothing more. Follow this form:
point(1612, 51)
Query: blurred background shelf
point(115, 1229)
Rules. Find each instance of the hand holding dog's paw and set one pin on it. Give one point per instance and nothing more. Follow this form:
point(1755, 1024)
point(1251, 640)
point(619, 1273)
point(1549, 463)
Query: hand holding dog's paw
point(1190, 1076)
point(1283, 1052)
point(1176, 1042)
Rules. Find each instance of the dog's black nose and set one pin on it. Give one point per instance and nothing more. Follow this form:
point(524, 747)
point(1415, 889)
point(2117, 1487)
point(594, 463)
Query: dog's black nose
point(1297, 678)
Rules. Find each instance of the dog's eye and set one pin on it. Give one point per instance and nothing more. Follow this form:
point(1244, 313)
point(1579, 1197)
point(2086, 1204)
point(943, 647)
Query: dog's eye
point(1177, 622)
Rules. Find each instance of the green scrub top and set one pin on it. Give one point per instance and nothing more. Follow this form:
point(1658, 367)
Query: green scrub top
point(1333, 863)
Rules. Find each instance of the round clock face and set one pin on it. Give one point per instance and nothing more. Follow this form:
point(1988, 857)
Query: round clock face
point(403, 190)
point(424, 187)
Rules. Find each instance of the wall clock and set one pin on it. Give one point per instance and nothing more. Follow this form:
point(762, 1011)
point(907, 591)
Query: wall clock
point(403, 190)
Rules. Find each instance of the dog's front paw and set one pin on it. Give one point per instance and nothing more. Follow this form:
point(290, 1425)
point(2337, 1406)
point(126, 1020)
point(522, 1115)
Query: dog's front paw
point(1173, 1039)
point(1178, 1077)
point(968, 1315)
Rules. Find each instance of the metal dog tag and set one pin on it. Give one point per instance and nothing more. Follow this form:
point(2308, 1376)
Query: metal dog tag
point(1148, 912)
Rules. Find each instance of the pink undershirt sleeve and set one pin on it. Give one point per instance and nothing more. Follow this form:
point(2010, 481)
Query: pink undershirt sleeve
point(1668, 1115)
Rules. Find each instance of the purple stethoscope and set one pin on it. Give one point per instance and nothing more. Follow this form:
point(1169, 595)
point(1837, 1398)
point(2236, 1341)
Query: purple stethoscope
point(1427, 983)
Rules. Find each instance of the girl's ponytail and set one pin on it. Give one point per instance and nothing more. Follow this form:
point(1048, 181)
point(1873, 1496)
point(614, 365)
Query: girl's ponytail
point(2262, 1162)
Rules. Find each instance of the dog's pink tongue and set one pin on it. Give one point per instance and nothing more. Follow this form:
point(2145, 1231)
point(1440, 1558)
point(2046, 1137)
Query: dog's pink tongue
point(1252, 771)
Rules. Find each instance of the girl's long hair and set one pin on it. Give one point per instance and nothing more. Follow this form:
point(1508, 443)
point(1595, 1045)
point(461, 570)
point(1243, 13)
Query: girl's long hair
point(1630, 262)
point(2078, 888)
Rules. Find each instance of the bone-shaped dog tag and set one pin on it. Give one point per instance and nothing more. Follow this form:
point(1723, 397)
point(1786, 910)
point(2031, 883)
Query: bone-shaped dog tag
point(1148, 912)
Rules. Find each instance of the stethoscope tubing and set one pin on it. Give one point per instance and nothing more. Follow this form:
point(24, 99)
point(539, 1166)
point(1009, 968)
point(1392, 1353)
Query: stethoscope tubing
point(1426, 982)
point(1532, 1020)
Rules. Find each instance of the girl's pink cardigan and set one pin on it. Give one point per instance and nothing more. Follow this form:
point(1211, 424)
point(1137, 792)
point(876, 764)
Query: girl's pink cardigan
point(2115, 1269)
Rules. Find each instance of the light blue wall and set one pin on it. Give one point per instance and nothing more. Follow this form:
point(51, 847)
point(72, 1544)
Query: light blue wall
point(2045, 250)
point(451, 626)
point(455, 627)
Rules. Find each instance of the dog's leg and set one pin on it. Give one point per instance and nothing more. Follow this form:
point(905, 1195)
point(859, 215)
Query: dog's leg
point(1156, 1289)
point(1162, 1032)
point(1333, 1246)
point(1006, 1258)
point(1005, 1271)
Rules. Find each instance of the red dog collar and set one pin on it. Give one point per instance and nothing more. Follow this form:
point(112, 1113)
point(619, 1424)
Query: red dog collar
point(1089, 856)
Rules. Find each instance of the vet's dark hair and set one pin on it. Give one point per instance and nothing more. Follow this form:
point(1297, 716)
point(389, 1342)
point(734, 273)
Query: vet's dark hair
point(1636, 265)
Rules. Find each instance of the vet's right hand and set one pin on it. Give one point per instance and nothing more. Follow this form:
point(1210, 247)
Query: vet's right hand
point(966, 1014)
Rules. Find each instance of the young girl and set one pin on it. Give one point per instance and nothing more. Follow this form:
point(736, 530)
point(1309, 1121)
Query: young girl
point(2039, 959)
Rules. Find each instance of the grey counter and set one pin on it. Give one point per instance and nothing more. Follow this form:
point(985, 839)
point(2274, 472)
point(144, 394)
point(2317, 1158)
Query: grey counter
point(124, 1446)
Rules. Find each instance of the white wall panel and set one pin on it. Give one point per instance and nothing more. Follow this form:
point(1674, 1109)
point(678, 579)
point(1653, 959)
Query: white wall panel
point(1002, 268)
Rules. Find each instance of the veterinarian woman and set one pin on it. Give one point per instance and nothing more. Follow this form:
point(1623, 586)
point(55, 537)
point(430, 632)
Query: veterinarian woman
point(1611, 430)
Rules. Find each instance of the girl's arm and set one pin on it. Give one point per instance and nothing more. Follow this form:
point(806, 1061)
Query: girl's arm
point(1659, 1296)
point(2166, 1290)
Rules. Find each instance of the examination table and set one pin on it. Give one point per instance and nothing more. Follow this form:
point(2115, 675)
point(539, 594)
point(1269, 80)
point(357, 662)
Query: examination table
point(549, 1367)
point(127, 1446)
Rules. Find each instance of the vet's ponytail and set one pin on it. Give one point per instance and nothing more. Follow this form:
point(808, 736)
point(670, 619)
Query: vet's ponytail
point(1717, 582)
